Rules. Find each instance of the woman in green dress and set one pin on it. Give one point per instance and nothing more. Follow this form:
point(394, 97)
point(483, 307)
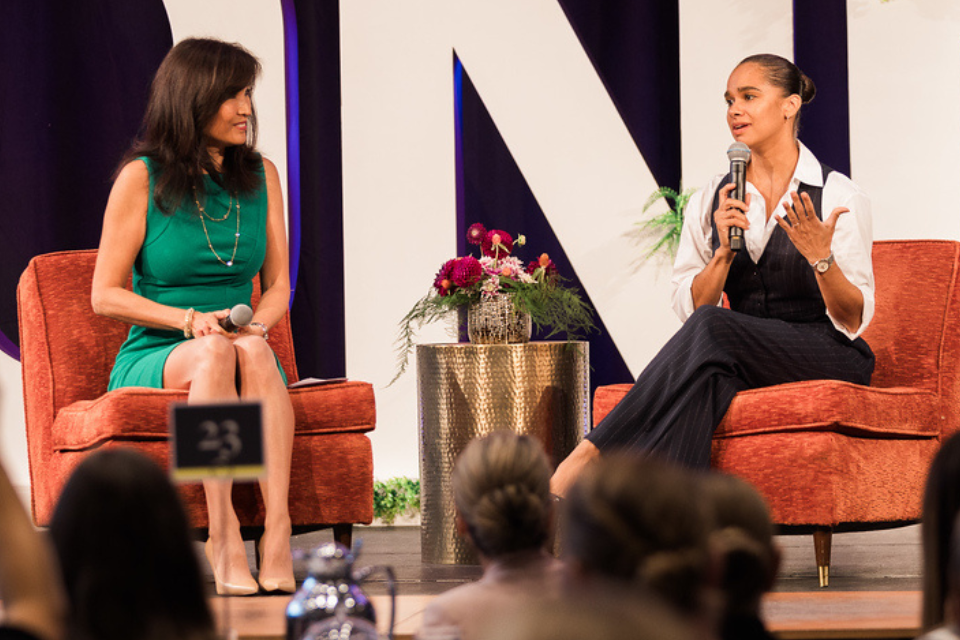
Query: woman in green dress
point(195, 213)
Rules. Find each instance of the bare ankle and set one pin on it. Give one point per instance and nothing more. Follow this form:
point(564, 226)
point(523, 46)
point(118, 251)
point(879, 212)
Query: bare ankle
point(570, 469)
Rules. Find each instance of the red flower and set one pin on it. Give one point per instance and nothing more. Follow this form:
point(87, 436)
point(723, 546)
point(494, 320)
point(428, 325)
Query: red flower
point(442, 281)
point(497, 244)
point(545, 266)
point(466, 272)
point(476, 233)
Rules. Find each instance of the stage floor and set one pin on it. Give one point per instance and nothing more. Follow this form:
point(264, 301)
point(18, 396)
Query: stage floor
point(874, 585)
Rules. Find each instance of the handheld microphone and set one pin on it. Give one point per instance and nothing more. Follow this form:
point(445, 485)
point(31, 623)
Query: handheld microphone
point(240, 316)
point(739, 155)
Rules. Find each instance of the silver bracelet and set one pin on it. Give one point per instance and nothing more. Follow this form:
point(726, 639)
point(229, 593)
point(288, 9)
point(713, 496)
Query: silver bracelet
point(263, 328)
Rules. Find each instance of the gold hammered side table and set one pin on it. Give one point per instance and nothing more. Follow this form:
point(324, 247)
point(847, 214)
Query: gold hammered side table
point(541, 389)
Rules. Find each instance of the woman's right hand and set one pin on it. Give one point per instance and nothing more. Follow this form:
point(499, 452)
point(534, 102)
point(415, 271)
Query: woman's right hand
point(730, 213)
point(208, 323)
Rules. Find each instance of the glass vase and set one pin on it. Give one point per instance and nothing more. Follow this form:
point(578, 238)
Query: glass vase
point(494, 320)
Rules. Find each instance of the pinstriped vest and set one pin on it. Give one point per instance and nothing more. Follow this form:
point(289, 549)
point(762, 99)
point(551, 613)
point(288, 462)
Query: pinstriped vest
point(781, 284)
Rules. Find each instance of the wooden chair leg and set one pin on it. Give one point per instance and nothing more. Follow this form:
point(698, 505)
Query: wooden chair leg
point(821, 548)
point(343, 533)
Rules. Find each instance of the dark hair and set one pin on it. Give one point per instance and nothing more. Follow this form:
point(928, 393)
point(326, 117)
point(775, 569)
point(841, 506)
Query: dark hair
point(786, 76)
point(637, 519)
point(743, 535)
point(194, 79)
point(953, 565)
point(128, 563)
point(941, 504)
point(501, 486)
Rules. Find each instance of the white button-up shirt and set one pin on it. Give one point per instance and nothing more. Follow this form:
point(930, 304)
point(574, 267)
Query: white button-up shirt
point(851, 246)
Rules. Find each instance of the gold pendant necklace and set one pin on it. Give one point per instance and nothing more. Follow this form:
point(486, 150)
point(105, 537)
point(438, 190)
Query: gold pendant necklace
point(236, 237)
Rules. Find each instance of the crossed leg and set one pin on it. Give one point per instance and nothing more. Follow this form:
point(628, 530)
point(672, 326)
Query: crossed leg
point(260, 379)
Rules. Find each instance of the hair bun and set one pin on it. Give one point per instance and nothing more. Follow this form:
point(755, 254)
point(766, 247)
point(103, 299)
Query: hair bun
point(807, 88)
point(675, 574)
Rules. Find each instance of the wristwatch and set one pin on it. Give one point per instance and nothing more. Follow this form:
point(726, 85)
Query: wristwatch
point(821, 266)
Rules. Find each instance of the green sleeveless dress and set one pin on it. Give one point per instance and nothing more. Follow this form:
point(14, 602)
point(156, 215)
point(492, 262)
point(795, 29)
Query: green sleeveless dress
point(177, 267)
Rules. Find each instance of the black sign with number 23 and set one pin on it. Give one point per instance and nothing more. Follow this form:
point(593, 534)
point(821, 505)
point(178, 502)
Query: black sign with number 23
point(216, 441)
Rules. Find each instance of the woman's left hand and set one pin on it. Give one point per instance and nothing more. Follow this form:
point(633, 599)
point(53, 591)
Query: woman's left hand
point(811, 236)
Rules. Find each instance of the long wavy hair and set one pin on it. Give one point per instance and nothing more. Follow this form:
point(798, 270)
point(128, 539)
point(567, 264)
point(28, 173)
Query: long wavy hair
point(194, 79)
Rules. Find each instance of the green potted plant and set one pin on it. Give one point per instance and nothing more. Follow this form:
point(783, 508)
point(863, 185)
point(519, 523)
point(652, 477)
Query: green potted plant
point(662, 232)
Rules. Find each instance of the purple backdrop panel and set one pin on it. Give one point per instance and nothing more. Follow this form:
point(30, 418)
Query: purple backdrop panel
point(495, 193)
point(820, 50)
point(317, 314)
point(73, 87)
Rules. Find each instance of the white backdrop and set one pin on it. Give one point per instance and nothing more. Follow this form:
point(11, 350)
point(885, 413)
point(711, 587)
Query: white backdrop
point(571, 147)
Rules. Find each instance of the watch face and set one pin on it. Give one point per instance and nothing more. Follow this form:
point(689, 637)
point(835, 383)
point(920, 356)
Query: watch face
point(822, 266)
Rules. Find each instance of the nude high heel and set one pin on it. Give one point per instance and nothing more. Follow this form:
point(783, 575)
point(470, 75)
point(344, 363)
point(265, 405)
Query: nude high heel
point(226, 588)
point(270, 585)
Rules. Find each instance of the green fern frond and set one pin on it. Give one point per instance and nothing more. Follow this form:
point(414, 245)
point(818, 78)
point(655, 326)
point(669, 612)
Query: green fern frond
point(661, 233)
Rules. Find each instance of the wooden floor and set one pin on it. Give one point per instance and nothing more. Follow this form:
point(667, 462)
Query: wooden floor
point(874, 592)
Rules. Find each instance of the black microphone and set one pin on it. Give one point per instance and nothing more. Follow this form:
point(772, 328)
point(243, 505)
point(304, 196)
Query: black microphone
point(240, 316)
point(739, 155)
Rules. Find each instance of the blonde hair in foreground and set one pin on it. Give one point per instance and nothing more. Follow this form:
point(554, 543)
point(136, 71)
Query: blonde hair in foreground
point(501, 488)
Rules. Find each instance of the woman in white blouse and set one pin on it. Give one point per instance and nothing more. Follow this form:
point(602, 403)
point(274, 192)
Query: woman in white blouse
point(800, 292)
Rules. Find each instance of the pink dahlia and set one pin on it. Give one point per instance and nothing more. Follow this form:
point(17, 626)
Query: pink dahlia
point(442, 281)
point(497, 244)
point(466, 272)
point(476, 233)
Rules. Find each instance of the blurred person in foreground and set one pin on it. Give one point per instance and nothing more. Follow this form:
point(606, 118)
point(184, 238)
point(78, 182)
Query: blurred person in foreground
point(604, 614)
point(950, 629)
point(126, 554)
point(941, 504)
point(743, 539)
point(501, 488)
point(636, 524)
point(33, 601)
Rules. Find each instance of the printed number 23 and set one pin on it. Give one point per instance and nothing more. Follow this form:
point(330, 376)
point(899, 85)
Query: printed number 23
point(222, 438)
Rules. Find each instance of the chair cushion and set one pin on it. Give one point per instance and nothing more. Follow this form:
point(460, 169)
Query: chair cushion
point(138, 413)
point(816, 405)
point(825, 478)
point(832, 405)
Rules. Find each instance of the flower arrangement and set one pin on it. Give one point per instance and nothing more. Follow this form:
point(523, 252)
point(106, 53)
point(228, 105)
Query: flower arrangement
point(535, 289)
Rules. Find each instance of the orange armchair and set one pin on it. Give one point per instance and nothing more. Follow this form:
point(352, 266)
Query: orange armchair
point(67, 353)
point(830, 455)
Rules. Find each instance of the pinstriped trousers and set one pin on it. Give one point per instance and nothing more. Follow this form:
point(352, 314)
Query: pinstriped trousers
point(683, 394)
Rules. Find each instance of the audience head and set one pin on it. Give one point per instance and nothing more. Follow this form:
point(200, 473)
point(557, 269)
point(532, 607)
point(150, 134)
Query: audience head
point(743, 537)
point(125, 552)
point(637, 519)
point(501, 488)
point(951, 605)
point(941, 503)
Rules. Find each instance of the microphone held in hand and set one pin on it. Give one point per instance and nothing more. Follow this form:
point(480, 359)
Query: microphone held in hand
point(739, 155)
point(240, 316)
